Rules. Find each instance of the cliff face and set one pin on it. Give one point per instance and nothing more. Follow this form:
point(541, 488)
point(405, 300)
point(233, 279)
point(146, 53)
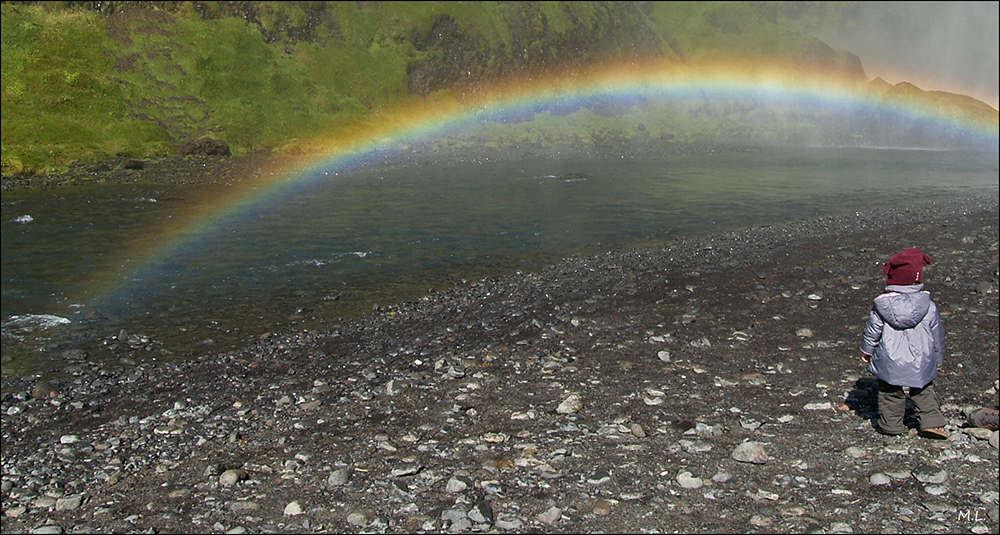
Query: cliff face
point(466, 43)
point(450, 57)
point(446, 46)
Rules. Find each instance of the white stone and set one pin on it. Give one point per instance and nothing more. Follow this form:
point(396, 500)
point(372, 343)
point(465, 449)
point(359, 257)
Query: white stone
point(340, 476)
point(495, 438)
point(841, 527)
point(570, 405)
point(551, 516)
point(48, 528)
point(456, 485)
point(68, 503)
point(879, 478)
point(359, 518)
point(293, 508)
point(687, 481)
point(722, 476)
point(232, 477)
point(855, 452)
point(936, 490)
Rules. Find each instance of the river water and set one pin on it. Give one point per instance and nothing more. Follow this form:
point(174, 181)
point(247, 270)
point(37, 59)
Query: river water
point(378, 236)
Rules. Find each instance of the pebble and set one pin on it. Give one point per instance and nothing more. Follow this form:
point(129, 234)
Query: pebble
point(360, 517)
point(406, 469)
point(512, 524)
point(855, 452)
point(232, 476)
point(879, 478)
point(936, 490)
point(791, 510)
point(481, 512)
point(48, 529)
point(550, 516)
point(456, 485)
point(841, 527)
point(340, 476)
point(979, 432)
point(722, 476)
point(687, 481)
point(243, 506)
point(601, 507)
point(750, 452)
point(897, 449)
point(637, 430)
point(570, 405)
point(293, 509)
point(69, 503)
point(930, 474)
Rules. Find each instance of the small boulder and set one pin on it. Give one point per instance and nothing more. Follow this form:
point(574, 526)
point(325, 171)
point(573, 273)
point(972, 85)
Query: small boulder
point(205, 147)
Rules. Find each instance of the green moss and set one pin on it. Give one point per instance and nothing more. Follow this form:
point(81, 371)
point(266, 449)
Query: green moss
point(79, 86)
point(71, 93)
point(60, 103)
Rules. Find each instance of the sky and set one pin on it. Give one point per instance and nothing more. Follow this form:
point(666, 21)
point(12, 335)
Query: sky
point(936, 46)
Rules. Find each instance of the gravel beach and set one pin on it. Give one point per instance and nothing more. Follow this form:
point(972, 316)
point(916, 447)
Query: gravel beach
point(709, 385)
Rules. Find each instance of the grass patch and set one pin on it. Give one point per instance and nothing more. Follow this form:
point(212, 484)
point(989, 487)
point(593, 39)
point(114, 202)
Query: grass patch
point(60, 105)
point(78, 86)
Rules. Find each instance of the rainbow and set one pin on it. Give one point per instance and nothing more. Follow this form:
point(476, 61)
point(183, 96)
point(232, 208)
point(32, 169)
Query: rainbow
point(347, 149)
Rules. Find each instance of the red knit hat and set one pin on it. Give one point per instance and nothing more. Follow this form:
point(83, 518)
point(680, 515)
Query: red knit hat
point(906, 267)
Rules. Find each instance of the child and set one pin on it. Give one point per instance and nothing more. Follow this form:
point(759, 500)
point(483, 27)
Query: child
point(903, 345)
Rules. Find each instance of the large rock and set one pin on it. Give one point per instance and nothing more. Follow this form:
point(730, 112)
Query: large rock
point(205, 146)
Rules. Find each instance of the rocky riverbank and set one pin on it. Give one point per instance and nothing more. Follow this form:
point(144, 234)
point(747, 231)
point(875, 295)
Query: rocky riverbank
point(709, 385)
point(200, 169)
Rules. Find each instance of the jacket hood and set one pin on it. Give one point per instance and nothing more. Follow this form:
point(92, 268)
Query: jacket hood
point(903, 307)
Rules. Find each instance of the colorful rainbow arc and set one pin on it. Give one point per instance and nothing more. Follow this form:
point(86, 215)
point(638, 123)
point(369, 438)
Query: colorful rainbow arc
point(347, 149)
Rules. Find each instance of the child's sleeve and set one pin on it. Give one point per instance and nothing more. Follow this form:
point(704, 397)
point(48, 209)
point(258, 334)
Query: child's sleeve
point(873, 333)
point(937, 331)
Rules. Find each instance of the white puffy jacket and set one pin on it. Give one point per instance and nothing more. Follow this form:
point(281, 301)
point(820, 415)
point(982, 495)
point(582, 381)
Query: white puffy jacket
point(904, 337)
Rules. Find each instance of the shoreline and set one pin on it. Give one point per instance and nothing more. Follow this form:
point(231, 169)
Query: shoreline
point(607, 393)
point(223, 169)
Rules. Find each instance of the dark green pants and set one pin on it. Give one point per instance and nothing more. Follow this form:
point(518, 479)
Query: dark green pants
point(892, 407)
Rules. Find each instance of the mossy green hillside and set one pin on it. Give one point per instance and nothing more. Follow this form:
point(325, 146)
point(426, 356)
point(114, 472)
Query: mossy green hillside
point(137, 79)
point(59, 102)
point(79, 86)
point(83, 86)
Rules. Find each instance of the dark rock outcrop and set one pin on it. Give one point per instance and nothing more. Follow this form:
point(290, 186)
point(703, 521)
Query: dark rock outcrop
point(205, 147)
